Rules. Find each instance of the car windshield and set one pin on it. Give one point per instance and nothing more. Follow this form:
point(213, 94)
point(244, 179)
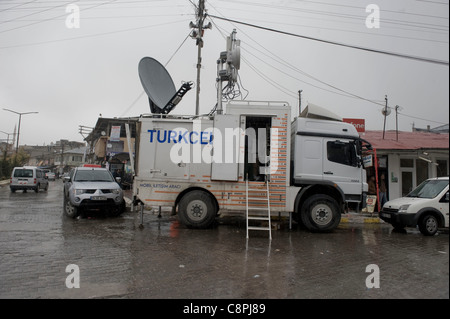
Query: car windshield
point(429, 189)
point(93, 176)
point(23, 173)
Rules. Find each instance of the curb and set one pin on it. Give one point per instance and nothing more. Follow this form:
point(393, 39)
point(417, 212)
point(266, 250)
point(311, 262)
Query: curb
point(5, 182)
point(353, 218)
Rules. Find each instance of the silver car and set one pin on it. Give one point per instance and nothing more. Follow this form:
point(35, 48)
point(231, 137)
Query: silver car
point(88, 188)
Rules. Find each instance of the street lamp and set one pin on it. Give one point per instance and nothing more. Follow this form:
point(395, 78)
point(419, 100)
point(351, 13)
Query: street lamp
point(18, 131)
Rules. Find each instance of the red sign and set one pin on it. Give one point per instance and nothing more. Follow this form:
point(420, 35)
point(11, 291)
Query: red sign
point(359, 124)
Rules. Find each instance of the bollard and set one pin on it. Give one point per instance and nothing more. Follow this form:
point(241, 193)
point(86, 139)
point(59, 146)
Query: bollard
point(159, 214)
point(142, 216)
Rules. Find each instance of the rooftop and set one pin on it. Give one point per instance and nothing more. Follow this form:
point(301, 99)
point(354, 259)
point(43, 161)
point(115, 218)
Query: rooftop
point(406, 140)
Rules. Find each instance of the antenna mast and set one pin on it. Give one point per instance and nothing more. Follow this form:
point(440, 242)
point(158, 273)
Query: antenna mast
point(228, 66)
point(197, 33)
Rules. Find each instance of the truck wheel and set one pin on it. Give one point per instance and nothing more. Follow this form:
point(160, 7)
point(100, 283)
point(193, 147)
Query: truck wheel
point(320, 213)
point(428, 225)
point(197, 210)
point(69, 209)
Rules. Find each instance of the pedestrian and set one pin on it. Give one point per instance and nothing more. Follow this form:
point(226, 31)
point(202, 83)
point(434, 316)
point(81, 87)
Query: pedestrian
point(372, 186)
point(383, 190)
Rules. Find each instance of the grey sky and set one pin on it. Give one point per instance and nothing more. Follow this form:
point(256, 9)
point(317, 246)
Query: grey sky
point(70, 76)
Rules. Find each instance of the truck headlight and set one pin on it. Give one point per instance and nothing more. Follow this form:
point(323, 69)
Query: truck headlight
point(403, 208)
point(115, 191)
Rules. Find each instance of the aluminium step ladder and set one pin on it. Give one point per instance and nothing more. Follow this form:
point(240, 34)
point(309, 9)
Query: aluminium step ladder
point(251, 212)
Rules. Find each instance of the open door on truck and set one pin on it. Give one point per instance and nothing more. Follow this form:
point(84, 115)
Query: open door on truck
point(257, 147)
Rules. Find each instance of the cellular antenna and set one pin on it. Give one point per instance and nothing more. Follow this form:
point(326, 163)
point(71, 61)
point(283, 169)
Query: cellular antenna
point(159, 86)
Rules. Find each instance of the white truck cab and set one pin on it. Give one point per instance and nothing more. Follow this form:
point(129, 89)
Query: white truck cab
point(426, 207)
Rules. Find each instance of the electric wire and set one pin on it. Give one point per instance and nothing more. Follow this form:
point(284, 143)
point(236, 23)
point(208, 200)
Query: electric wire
point(421, 59)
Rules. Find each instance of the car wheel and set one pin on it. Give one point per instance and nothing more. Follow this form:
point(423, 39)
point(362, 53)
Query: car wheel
point(197, 210)
point(320, 213)
point(118, 210)
point(428, 226)
point(13, 190)
point(69, 209)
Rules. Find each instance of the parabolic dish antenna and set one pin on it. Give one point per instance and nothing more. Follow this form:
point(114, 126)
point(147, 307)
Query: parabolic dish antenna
point(159, 86)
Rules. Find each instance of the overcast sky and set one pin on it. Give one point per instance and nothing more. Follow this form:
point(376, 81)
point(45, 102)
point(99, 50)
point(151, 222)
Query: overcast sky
point(72, 75)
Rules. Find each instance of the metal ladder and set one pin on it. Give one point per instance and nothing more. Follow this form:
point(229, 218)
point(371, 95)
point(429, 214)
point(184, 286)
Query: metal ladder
point(249, 209)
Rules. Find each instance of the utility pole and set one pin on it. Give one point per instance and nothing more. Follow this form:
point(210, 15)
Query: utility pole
point(385, 116)
point(300, 102)
point(396, 119)
point(197, 34)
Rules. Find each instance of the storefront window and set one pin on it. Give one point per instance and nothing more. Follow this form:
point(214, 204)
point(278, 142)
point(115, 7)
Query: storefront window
point(442, 168)
point(421, 171)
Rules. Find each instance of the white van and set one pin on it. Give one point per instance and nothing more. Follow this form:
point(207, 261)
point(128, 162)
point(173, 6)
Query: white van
point(426, 206)
point(28, 178)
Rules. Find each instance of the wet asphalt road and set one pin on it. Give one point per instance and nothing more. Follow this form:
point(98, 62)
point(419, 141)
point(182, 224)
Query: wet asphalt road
point(118, 259)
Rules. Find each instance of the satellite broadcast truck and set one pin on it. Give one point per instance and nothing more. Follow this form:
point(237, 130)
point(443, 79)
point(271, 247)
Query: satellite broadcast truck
point(250, 157)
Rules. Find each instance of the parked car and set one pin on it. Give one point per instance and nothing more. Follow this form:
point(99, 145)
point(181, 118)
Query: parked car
point(426, 207)
point(92, 189)
point(50, 176)
point(28, 178)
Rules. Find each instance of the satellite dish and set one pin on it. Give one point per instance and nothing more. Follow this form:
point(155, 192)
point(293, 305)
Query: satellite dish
point(159, 86)
point(386, 112)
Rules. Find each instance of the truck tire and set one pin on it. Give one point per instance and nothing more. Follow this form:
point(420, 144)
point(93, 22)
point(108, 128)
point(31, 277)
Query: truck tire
point(320, 213)
point(428, 225)
point(69, 209)
point(197, 210)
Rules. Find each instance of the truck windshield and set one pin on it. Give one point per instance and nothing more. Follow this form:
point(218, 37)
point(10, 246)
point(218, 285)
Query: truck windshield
point(429, 189)
point(93, 176)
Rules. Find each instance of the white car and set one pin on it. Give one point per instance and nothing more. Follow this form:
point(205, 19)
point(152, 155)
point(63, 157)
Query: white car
point(50, 176)
point(426, 207)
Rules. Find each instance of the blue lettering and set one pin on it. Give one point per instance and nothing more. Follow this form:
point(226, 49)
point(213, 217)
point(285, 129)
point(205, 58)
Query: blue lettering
point(159, 137)
point(190, 137)
point(151, 135)
point(183, 137)
point(202, 138)
point(173, 136)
